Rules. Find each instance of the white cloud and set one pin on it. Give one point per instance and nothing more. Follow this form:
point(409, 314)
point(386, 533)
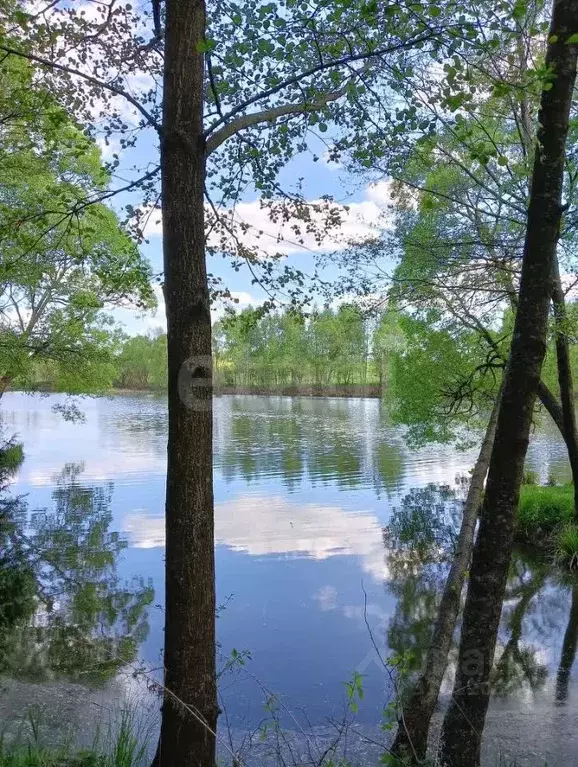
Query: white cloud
point(157, 319)
point(380, 193)
point(272, 525)
point(152, 222)
point(243, 299)
point(108, 149)
point(140, 323)
point(327, 598)
point(240, 299)
point(570, 285)
point(254, 229)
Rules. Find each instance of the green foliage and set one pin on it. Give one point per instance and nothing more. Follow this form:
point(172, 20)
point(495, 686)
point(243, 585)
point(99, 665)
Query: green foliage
point(425, 523)
point(530, 477)
point(288, 348)
point(354, 691)
point(28, 756)
point(142, 363)
point(11, 457)
point(433, 389)
point(419, 541)
point(65, 255)
point(459, 178)
point(277, 73)
point(269, 350)
point(544, 508)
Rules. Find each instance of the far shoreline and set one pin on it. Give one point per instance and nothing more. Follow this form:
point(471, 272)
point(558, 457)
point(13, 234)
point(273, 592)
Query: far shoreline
point(345, 391)
point(360, 391)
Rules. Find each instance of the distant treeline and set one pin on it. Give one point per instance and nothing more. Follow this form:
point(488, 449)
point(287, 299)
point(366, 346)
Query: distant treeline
point(325, 351)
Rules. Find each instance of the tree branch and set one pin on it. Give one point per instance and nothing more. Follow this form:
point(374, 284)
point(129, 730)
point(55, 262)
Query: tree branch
point(269, 115)
point(321, 67)
point(88, 78)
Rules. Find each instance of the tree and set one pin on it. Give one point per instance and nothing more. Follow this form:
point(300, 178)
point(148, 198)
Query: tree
point(461, 190)
point(517, 665)
point(142, 362)
point(272, 72)
point(189, 720)
point(58, 270)
point(463, 723)
point(290, 348)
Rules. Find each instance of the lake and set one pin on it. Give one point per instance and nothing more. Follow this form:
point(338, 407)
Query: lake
point(306, 586)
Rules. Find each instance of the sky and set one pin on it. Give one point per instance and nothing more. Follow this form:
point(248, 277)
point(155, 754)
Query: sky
point(366, 216)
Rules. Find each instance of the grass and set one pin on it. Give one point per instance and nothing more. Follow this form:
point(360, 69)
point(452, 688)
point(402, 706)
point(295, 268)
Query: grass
point(566, 546)
point(546, 518)
point(126, 746)
point(544, 509)
point(34, 756)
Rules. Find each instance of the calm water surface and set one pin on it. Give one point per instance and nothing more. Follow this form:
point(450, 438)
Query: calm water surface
point(303, 490)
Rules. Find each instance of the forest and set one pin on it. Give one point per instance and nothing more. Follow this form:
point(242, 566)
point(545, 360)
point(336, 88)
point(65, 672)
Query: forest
point(162, 158)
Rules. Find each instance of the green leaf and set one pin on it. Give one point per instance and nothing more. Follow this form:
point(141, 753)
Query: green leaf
point(573, 39)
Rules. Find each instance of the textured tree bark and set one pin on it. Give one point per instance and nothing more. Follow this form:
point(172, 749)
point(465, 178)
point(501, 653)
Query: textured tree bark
point(568, 655)
point(464, 720)
point(189, 712)
point(565, 381)
point(410, 743)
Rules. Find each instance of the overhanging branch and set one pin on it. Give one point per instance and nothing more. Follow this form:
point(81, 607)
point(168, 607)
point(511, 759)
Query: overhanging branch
point(269, 115)
point(321, 67)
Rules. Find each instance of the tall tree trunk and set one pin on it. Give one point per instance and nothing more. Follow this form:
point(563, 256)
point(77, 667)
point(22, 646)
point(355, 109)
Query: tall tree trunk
point(565, 379)
point(568, 655)
point(412, 735)
point(189, 713)
point(464, 720)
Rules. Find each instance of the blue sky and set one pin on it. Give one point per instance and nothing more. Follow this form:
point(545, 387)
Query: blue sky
point(366, 202)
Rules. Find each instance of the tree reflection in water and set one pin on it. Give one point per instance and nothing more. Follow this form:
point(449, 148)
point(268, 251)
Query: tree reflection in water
point(64, 611)
point(569, 645)
point(419, 541)
point(303, 439)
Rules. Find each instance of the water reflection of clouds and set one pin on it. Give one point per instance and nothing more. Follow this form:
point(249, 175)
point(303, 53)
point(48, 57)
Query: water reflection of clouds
point(326, 598)
point(104, 468)
point(261, 525)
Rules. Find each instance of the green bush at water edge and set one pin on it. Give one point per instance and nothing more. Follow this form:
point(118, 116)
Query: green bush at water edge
point(542, 509)
point(546, 517)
